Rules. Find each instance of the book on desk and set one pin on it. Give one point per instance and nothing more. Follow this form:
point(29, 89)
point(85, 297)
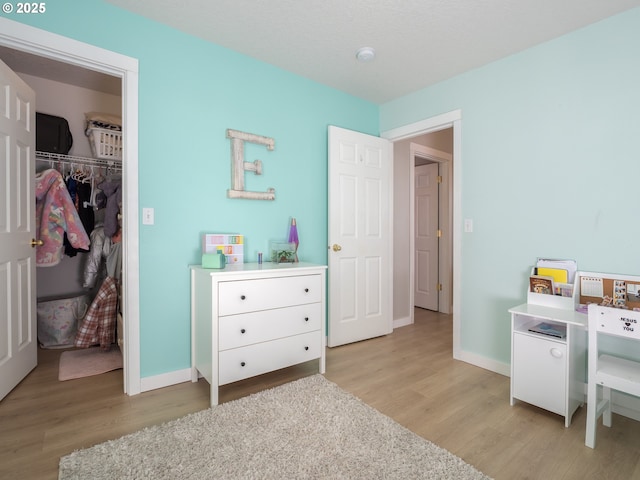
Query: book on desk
point(542, 284)
point(550, 329)
point(556, 288)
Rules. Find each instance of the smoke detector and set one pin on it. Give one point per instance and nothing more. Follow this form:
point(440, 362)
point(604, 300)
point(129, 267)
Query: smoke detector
point(365, 54)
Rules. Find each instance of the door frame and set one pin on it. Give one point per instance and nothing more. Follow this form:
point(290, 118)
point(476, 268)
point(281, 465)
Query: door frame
point(19, 36)
point(453, 120)
point(443, 160)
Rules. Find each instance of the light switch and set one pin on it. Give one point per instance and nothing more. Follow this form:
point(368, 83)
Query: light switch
point(148, 216)
point(468, 225)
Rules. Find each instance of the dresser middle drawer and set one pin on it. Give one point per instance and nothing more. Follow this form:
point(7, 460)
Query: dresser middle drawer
point(243, 296)
point(248, 328)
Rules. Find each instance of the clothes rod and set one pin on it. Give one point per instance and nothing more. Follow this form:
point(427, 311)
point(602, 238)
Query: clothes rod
point(73, 160)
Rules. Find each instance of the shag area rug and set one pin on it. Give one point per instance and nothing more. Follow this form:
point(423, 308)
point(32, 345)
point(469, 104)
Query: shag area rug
point(307, 429)
point(88, 362)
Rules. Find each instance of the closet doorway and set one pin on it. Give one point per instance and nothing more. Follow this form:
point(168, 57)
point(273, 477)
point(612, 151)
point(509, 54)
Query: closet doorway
point(40, 48)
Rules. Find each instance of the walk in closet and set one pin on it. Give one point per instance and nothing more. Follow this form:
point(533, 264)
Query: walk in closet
point(77, 279)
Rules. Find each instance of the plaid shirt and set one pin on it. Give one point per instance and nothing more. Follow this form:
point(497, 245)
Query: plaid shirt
point(98, 325)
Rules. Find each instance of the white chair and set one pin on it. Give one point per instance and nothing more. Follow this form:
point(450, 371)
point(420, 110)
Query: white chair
point(605, 371)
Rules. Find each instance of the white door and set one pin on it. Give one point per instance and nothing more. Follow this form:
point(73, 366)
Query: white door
point(360, 242)
point(18, 336)
point(426, 236)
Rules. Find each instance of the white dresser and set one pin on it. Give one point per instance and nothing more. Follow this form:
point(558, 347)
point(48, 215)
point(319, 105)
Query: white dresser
point(251, 318)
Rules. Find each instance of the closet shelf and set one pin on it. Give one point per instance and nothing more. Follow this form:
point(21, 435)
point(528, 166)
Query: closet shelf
point(73, 160)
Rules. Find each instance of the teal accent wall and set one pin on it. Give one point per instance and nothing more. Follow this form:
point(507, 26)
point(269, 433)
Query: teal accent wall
point(190, 92)
point(550, 166)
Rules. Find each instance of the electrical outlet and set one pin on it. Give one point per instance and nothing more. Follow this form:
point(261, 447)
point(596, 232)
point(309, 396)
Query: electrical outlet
point(148, 215)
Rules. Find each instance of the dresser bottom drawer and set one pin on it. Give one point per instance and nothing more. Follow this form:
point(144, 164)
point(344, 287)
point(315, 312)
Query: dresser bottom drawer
point(244, 362)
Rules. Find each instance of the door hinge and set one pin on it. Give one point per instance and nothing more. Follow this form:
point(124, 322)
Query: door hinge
point(439, 233)
point(439, 178)
point(439, 287)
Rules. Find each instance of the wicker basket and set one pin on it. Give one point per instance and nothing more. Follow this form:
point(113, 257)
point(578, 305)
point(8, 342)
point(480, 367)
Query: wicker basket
point(105, 144)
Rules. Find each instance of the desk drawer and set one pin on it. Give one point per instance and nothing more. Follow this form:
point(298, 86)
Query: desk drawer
point(244, 362)
point(266, 293)
point(249, 328)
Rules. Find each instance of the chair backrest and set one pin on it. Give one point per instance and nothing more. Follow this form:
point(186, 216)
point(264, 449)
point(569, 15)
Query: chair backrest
point(610, 371)
point(609, 321)
point(614, 321)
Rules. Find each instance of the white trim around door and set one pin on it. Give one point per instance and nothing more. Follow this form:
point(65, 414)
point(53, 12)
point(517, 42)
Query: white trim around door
point(451, 119)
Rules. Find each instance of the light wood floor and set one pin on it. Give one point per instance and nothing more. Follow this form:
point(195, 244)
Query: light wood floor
point(409, 375)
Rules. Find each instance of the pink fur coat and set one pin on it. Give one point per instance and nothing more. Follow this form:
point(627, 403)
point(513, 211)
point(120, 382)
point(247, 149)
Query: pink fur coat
point(56, 214)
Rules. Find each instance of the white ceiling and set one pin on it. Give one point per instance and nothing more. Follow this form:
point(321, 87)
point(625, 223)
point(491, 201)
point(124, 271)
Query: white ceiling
point(417, 42)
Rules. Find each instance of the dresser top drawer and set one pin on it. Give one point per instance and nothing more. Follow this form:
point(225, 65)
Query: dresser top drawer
point(244, 296)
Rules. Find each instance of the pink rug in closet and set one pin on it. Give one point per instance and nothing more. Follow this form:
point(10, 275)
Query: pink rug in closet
point(88, 362)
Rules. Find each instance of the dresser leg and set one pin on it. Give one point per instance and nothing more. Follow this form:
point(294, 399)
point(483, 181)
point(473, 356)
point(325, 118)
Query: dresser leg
point(214, 395)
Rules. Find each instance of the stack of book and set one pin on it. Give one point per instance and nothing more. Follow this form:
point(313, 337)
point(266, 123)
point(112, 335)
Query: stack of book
point(553, 277)
point(551, 329)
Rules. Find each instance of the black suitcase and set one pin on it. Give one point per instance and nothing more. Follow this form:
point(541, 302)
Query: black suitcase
point(52, 134)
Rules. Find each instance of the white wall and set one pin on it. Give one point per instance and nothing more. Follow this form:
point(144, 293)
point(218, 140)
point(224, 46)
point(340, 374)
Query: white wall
point(441, 140)
point(401, 225)
point(70, 102)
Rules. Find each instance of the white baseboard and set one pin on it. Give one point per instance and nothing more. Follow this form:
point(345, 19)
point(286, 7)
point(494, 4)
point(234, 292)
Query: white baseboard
point(401, 322)
point(486, 363)
point(165, 380)
point(625, 405)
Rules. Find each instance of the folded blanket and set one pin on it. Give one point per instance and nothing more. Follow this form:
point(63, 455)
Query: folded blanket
point(103, 120)
point(104, 126)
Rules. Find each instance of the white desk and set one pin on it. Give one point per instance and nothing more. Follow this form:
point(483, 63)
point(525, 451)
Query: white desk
point(546, 371)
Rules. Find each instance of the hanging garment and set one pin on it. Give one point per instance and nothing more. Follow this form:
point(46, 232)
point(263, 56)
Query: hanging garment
point(100, 248)
point(80, 194)
point(99, 324)
point(105, 251)
point(114, 259)
point(55, 215)
point(85, 209)
point(113, 191)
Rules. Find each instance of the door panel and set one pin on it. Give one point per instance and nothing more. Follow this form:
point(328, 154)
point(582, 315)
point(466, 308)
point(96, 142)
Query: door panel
point(426, 240)
point(374, 282)
point(18, 336)
point(360, 228)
